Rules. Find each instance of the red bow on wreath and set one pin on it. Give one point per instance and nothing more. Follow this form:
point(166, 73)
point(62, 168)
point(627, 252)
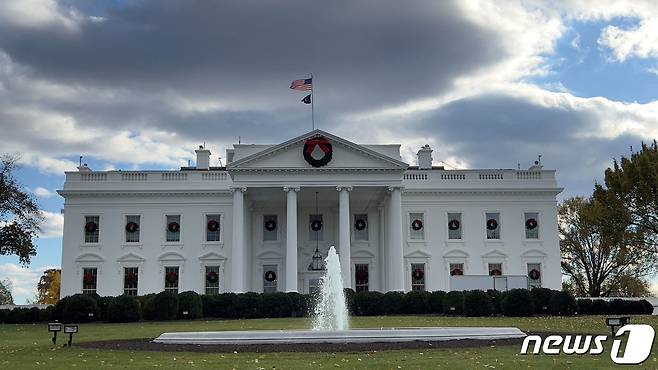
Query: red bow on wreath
point(323, 142)
point(418, 274)
point(212, 277)
point(171, 277)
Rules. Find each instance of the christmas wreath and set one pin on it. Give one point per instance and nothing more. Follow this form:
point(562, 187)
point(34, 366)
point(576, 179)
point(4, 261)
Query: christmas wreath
point(131, 227)
point(361, 275)
point(417, 224)
point(89, 278)
point(213, 225)
point(492, 224)
point(316, 225)
point(91, 226)
point(531, 224)
point(534, 274)
point(418, 274)
point(131, 278)
point(212, 277)
point(270, 276)
point(453, 224)
point(270, 225)
point(313, 156)
point(360, 224)
point(495, 272)
point(171, 277)
point(173, 227)
point(457, 271)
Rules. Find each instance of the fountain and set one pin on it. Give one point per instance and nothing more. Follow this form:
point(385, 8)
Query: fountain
point(330, 324)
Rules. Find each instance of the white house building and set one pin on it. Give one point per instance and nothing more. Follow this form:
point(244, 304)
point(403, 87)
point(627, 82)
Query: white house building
point(258, 223)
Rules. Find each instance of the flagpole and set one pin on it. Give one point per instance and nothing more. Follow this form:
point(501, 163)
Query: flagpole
point(312, 102)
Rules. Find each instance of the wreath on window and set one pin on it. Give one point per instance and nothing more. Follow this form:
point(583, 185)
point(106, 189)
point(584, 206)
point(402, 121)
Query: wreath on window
point(418, 274)
point(173, 227)
point(212, 277)
point(171, 277)
point(213, 225)
point(131, 278)
point(89, 278)
point(91, 226)
point(270, 276)
point(417, 224)
point(492, 224)
point(531, 224)
point(495, 272)
point(361, 275)
point(534, 274)
point(131, 227)
point(316, 225)
point(457, 271)
point(360, 224)
point(270, 225)
point(325, 147)
point(453, 224)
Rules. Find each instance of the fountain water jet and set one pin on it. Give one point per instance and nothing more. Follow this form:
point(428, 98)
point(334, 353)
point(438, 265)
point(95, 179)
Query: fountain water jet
point(330, 312)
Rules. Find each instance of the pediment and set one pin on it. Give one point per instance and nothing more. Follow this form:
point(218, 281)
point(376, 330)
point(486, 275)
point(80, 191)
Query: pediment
point(171, 256)
point(494, 254)
point(89, 258)
point(131, 257)
point(269, 254)
point(533, 253)
point(211, 256)
point(362, 253)
point(345, 155)
point(456, 253)
point(418, 253)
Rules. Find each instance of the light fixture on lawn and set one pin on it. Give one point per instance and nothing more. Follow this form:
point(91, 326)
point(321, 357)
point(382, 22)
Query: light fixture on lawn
point(617, 321)
point(70, 330)
point(318, 263)
point(54, 327)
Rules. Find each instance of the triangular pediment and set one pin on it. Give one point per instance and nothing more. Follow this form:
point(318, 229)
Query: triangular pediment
point(534, 253)
point(418, 253)
point(494, 254)
point(171, 256)
point(345, 155)
point(212, 256)
point(131, 257)
point(90, 257)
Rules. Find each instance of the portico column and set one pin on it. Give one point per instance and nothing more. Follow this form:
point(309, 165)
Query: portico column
point(238, 252)
point(344, 234)
point(396, 276)
point(291, 238)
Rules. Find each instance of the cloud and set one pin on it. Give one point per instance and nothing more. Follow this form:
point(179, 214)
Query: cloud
point(43, 192)
point(53, 225)
point(636, 42)
point(24, 280)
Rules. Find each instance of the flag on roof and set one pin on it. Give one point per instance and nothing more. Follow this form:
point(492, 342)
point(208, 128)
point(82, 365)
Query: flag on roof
point(303, 84)
point(307, 99)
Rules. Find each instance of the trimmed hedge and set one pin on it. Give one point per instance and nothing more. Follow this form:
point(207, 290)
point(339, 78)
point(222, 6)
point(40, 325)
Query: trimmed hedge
point(416, 302)
point(600, 307)
point(541, 298)
point(80, 308)
point(453, 303)
point(476, 303)
point(517, 302)
point(563, 304)
point(392, 303)
point(189, 305)
point(436, 301)
point(276, 304)
point(163, 306)
point(123, 309)
point(368, 304)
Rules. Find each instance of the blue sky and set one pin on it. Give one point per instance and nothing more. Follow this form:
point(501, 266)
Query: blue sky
point(138, 85)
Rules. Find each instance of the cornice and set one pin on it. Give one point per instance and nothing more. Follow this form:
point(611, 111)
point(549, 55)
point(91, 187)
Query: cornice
point(487, 191)
point(141, 193)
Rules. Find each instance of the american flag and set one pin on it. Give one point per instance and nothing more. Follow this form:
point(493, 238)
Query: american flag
point(303, 84)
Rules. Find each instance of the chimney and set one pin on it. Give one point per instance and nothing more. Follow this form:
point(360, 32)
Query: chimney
point(425, 158)
point(202, 158)
point(537, 166)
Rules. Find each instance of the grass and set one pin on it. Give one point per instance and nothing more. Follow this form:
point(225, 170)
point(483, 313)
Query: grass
point(29, 346)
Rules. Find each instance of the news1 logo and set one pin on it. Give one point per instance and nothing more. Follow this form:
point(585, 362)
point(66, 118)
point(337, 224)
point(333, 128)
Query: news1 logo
point(637, 349)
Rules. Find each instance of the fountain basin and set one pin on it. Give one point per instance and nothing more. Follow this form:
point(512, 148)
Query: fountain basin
point(430, 334)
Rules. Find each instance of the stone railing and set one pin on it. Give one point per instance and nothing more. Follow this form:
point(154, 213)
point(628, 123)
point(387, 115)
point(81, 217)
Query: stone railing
point(479, 178)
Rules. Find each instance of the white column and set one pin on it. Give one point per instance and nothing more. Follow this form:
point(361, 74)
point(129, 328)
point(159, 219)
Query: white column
point(291, 238)
point(396, 276)
point(238, 266)
point(344, 234)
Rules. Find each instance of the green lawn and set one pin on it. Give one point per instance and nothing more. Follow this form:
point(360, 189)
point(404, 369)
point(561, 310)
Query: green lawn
point(29, 346)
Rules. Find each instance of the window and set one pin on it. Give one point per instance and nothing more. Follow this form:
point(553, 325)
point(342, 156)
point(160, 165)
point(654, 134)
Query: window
point(314, 286)
point(212, 280)
point(89, 280)
point(130, 280)
point(361, 277)
point(92, 229)
point(173, 228)
point(492, 225)
point(495, 269)
point(416, 226)
point(270, 228)
point(171, 279)
point(212, 228)
point(456, 269)
point(531, 225)
point(269, 278)
point(454, 225)
point(315, 227)
point(361, 227)
point(534, 275)
point(418, 276)
point(132, 229)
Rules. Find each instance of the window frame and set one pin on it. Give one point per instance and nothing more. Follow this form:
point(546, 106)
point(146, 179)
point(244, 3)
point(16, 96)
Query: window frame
point(84, 232)
point(171, 289)
point(538, 228)
point(139, 230)
point(95, 289)
point(411, 231)
point(165, 217)
point(204, 228)
point(205, 281)
point(275, 282)
point(127, 290)
point(423, 285)
point(362, 287)
point(275, 232)
point(461, 226)
point(541, 274)
point(356, 232)
point(499, 229)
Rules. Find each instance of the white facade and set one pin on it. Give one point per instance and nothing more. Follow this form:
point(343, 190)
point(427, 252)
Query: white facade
point(175, 244)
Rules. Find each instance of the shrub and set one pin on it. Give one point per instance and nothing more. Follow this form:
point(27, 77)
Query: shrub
point(635, 307)
point(164, 306)
point(190, 303)
point(416, 302)
point(349, 299)
point(220, 305)
point(248, 305)
point(146, 306)
point(33, 314)
point(368, 303)
point(648, 307)
point(453, 303)
point(58, 310)
point(617, 307)
point(103, 304)
point(80, 308)
point(600, 307)
point(517, 302)
point(476, 303)
point(496, 300)
point(15, 316)
point(123, 309)
point(541, 299)
point(584, 306)
point(436, 302)
point(46, 314)
point(563, 304)
point(276, 305)
point(3, 315)
point(392, 303)
point(297, 304)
